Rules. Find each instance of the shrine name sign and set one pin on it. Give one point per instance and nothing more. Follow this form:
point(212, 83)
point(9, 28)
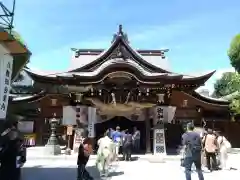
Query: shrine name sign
point(6, 64)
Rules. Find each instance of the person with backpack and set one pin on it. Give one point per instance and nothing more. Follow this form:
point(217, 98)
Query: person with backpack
point(192, 146)
point(211, 147)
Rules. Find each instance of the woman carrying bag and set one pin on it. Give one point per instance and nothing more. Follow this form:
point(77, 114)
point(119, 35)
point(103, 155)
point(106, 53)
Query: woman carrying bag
point(224, 147)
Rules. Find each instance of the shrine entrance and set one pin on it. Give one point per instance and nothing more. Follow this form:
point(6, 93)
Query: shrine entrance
point(124, 124)
point(173, 137)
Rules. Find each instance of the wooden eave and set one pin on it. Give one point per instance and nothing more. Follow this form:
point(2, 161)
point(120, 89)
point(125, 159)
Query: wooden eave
point(210, 100)
point(29, 99)
point(212, 104)
point(18, 50)
point(74, 79)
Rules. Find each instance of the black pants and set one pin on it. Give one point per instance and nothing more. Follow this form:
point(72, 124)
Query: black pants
point(127, 152)
point(136, 145)
point(209, 156)
point(10, 173)
point(82, 173)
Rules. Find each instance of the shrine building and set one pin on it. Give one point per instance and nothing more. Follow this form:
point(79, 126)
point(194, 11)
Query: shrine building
point(120, 86)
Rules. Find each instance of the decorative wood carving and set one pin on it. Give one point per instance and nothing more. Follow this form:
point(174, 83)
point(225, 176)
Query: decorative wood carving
point(185, 103)
point(53, 102)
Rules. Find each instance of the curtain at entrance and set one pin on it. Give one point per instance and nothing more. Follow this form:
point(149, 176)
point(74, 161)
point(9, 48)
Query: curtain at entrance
point(140, 117)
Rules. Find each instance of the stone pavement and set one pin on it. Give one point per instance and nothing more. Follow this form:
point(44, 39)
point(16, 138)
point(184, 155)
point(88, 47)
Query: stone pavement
point(141, 169)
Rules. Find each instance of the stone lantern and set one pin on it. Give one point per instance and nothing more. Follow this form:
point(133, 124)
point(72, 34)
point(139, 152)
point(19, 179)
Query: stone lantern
point(52, 146)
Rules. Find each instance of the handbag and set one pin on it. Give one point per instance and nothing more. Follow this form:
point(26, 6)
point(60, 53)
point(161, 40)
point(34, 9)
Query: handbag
point(182, 160)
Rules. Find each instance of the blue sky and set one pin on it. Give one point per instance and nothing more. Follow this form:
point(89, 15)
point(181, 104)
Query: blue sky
point(197, 33)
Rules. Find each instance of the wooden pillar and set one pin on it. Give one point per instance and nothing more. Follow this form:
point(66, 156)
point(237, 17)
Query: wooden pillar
point(148, 130)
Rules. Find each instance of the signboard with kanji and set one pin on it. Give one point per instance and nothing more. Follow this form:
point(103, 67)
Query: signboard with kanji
point(6, 63)
point(69, 130)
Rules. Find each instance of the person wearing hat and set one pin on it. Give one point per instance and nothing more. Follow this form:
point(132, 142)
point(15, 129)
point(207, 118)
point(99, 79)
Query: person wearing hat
point(192, 148)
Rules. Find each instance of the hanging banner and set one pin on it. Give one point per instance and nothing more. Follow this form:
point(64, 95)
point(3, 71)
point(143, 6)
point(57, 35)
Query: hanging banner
point(168, 113)
point(91, 121)
point(6, 63)
point(69, 115)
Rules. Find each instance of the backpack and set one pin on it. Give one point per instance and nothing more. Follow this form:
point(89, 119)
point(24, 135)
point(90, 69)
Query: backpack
point(194, 145)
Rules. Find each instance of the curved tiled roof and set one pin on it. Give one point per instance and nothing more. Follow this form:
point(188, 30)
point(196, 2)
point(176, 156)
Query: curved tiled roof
point(210, 100)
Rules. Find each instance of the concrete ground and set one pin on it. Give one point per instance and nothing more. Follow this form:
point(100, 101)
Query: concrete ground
point(39, 167)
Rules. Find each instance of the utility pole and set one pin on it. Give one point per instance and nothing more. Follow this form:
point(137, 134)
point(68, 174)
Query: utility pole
point(7, 15)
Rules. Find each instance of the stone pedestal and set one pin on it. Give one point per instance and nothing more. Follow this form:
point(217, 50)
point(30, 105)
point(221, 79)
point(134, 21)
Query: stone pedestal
point(51, 149)
point(68, 151)
point(157, 159)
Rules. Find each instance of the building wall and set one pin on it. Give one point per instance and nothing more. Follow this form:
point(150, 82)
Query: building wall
point(183, 114)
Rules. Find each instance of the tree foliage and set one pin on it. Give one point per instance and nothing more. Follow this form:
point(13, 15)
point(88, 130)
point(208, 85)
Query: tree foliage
point(234, 97)
point(227, 84)
point(234, 53)
point(235, 104)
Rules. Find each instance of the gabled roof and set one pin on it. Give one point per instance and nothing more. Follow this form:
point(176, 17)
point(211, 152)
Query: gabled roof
point(121, 57)
point(83, 57)
point(120, 44)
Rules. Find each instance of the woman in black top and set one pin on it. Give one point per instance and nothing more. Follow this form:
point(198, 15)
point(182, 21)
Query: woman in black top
point(84, 151)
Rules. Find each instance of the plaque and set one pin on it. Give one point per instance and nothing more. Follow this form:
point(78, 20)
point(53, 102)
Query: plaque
point(69, 130)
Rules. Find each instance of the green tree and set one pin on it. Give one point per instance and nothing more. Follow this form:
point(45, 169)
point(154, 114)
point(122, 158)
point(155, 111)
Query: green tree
point(235, 104)
point(234, 53)
point(227, 84)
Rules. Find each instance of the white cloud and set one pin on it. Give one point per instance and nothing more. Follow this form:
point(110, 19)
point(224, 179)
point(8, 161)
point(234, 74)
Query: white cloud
point(209, 85)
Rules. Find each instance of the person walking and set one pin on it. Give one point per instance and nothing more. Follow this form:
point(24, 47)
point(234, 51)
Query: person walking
point(117, 139)
point(127, 146)
point(21, 157)
point(192, 148)
point(136, 140)
point(105, 154)
point(84, 151)
point(224, 146)
point(9, 152)
point(210, 147)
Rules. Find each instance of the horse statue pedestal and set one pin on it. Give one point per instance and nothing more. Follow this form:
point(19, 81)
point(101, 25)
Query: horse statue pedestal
point(157, 158)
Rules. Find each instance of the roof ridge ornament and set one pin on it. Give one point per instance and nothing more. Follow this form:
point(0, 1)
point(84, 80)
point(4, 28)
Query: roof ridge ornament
point(120, 33)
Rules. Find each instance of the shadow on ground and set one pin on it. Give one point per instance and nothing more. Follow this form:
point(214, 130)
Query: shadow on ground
point(43, 173)
point(134, 158)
